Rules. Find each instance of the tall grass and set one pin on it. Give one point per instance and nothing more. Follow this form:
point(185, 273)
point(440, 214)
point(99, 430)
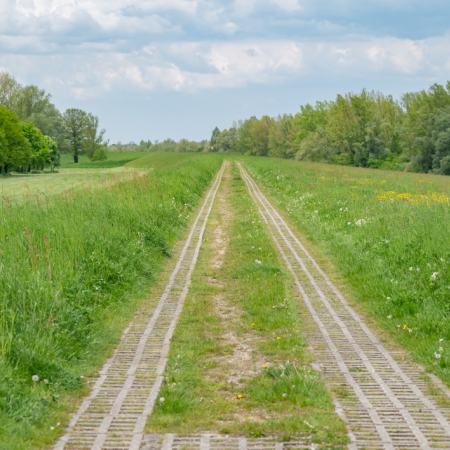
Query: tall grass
point(67, 265)
point(387, 234)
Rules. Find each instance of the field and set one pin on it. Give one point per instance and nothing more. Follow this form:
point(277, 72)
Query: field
point(115, 159)
point(386, 234)
point(73, 269)
point(82, 249)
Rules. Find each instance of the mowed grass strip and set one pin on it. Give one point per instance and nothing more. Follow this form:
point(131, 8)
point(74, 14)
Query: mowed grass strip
point(383, 236)
point(238, 362)
point(73, 270)
point(22, 187)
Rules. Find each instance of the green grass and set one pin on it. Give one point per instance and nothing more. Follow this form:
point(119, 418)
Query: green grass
point(115, 159)
point(20, 187)
point(277, 399)
point(73, 269)
point(160, 160)
point(388, 237)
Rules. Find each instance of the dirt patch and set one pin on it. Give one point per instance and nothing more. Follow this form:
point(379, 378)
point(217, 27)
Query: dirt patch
point(245, 361)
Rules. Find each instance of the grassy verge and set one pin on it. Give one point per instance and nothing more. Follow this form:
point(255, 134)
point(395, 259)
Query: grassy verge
point(238, 362)
point(72, 272)
point(164, 160)
point(115, 159)
point(388, 238)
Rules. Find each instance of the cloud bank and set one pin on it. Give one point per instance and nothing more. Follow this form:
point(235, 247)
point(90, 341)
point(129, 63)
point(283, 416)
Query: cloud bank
point(89, 49)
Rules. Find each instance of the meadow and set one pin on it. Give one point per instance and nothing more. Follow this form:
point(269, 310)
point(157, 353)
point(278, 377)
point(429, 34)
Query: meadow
point(73, 269)
point(115, 159)
point(387, 236)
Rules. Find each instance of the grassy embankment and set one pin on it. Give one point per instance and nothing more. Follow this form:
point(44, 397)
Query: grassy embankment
point(388, 237)
point(238, 362)
point(115, 159)
point(18, 187)
point(73, 270)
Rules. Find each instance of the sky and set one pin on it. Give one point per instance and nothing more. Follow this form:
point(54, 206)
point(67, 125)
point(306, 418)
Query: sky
point(153, 69)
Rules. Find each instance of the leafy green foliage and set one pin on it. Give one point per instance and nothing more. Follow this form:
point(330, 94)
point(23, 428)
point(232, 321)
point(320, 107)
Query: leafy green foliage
point(99, 155)
point(16, 149)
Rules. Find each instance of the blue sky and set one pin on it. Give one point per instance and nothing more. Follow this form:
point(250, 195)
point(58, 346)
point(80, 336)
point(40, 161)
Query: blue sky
point(152, 69)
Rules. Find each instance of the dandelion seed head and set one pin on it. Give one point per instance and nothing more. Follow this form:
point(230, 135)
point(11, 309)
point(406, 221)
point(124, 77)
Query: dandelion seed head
point(162, 399)
point(46, 381)
point(411, 269)
point(35, 378)
point(441, 349)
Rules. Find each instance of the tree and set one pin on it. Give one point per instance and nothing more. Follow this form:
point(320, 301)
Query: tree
point(54, 158)
point(93, 137)
point(9, 89)
point(182, 146)
point(244, 141)
point(144, 146)
point(74, 122)
point(259, 135)
point(225, 142)
point(33, 105)
point(39, 151)
point(214, 136)
point(15, 150)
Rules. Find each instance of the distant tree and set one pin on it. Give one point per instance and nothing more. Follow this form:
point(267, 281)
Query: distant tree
point(215, 134)
point(93, 137)
point(244, 142)
point(144, 146)
point(15, 149)
point(9, 88)
point(39, 151)
point(54, 158)
point(74, 123)
point(100, 155)
point(182, 146)
point(33, 105)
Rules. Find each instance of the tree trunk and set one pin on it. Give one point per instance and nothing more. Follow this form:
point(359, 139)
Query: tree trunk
point(1, 169)
point(6, 168)
point(29, 168)
point(75, 159)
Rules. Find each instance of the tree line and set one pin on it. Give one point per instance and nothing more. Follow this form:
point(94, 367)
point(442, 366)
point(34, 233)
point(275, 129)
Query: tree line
point(367, 129)
point(33, 132)
point(168, 145)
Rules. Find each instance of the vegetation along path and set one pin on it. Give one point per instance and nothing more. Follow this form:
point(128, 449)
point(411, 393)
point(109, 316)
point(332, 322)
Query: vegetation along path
point(386, 401)
point(386, 405)
point(115, 413)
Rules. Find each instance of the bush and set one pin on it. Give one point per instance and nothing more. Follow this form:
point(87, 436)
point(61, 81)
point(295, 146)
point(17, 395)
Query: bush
point(100, 155)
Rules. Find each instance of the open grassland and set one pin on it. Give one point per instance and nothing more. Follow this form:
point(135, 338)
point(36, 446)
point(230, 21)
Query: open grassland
point(115, 159)
point(161, 160)
point(387, 235)
point(20, 187)
point(238, 362)
point(73, 269)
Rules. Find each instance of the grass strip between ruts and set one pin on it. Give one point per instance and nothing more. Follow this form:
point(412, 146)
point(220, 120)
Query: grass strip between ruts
point(283, 397)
